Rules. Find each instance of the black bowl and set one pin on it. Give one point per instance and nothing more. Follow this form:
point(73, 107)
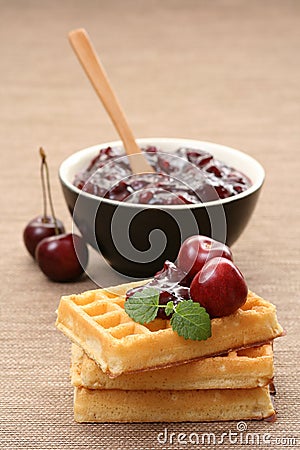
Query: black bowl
point(137, 239)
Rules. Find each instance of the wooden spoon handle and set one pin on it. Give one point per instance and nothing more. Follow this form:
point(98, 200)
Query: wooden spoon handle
point(91, 64)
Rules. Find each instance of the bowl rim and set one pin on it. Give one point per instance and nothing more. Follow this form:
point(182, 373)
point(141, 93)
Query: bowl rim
point(156, 140)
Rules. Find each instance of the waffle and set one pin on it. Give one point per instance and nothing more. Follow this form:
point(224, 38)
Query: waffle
point(96, 321)
point(111, 405)
point(247, 368)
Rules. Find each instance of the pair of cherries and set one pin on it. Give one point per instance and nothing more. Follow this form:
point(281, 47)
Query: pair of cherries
point(61, 256)
point(214, 280)
point(204, 272)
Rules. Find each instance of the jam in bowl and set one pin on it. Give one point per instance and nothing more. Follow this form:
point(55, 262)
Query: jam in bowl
point(138, 223)
point(185, 176)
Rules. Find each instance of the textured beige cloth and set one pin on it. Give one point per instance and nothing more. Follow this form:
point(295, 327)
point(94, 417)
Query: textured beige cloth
point(226, 71)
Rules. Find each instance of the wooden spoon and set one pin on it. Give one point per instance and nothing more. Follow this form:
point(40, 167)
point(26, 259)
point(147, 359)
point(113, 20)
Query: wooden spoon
point(90, 62)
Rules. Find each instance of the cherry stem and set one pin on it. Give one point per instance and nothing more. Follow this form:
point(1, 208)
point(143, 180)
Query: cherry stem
point(44, 167)
point(43, 156)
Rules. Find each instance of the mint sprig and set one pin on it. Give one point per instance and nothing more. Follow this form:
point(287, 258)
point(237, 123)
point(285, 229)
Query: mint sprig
point(143, 305)
point(189, 319)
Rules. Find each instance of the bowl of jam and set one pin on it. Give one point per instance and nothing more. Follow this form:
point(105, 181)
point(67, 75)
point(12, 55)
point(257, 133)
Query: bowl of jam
point(137, 221)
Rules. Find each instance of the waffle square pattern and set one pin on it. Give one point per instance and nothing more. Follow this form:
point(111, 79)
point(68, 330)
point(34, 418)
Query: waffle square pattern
point(97, 322)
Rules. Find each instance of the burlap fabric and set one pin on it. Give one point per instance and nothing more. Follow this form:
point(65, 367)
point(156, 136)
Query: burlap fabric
point(223, 71)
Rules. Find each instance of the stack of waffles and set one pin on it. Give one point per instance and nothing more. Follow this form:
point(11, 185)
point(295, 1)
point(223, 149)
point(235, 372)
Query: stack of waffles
point(123, 371)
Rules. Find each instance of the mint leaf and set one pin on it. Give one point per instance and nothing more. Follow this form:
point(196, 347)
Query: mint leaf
point(191, 321)
point(143, 305)
point(169, 308)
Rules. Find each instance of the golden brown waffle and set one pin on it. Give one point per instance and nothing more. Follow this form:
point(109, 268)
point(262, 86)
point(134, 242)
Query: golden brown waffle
point(108, 405)
point(249, 368)
point(97, 322)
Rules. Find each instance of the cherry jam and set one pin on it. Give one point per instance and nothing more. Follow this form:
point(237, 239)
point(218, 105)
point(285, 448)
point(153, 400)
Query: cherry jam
point(186, 176)
point(172, 286)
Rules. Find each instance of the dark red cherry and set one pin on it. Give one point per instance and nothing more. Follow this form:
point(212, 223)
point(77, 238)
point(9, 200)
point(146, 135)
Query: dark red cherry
point(39, 228)
point(63, 257)
point(219, 287)
point(197, 250)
